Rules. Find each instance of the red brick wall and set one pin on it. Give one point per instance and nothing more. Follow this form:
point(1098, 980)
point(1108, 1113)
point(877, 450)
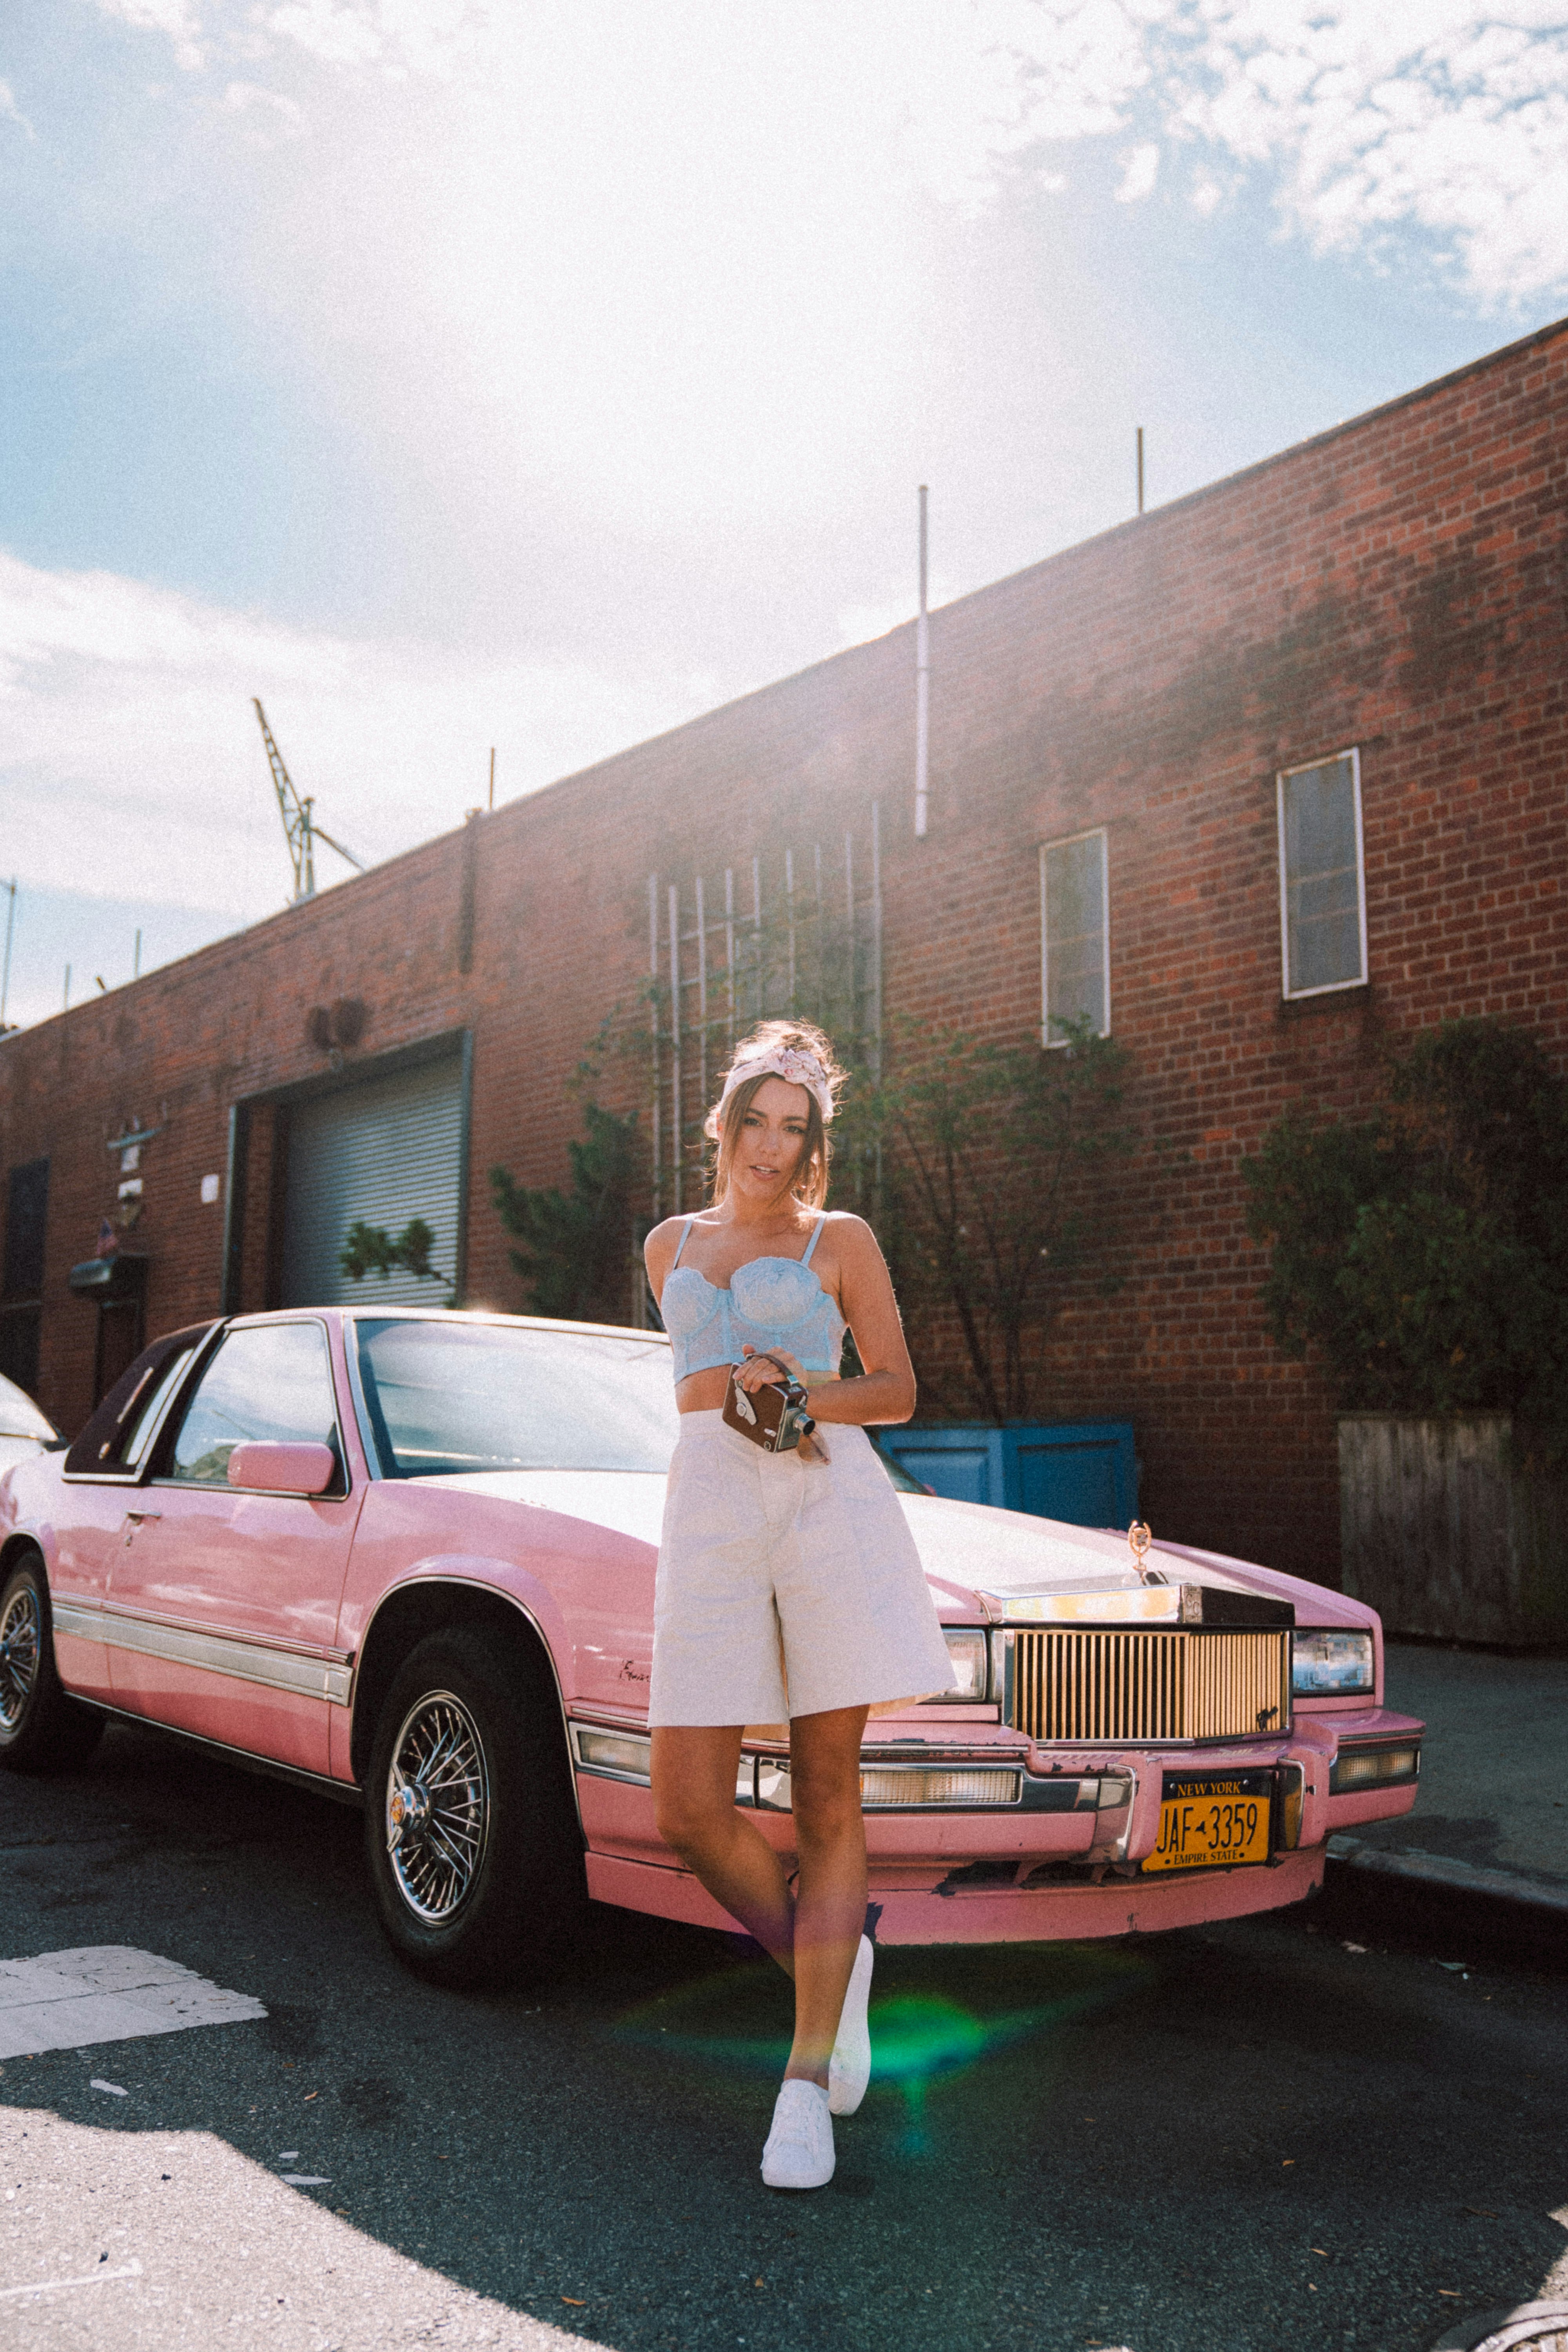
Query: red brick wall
point(1400, 584)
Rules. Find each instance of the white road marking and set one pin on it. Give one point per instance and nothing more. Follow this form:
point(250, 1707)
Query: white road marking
point(307, 2179)
point(115, 2090)
point(53, 2287)
point(106, 1992)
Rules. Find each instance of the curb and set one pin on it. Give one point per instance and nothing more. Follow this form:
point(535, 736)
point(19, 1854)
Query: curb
point(1440, 1871)
point(1543, 2325)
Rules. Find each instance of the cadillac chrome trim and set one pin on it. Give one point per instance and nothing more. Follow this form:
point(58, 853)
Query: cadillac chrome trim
point(303, 1674)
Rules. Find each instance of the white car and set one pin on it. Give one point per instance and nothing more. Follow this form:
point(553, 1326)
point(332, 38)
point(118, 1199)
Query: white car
point(23, 1429)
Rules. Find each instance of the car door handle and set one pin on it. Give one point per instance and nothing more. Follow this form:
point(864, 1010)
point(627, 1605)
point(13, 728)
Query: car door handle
point(140, 1516)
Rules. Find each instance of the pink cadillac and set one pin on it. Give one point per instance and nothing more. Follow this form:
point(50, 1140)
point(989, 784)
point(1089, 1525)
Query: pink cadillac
point(407, 1558)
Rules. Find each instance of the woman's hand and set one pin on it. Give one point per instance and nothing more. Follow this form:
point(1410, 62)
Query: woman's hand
point(768, 1371)
point(764, 1371)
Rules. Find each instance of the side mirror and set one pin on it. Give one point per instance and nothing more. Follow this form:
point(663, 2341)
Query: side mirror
point(272, 1468)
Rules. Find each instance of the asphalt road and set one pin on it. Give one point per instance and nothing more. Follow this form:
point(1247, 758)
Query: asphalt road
point(1248, 2140)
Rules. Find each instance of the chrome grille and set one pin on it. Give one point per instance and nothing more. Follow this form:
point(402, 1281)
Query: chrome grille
point(1147, 1685)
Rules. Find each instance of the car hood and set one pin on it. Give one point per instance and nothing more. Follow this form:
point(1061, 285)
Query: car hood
point(965, 1548)
point(627, 1502)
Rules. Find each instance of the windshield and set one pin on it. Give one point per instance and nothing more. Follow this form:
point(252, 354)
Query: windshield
point(448, 1397)
point(904, 1480)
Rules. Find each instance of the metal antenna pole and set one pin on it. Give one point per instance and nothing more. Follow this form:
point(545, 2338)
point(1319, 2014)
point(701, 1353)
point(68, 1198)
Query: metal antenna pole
point(923, 690)
point(1140, 469)
point(492, 798)
point(5, 975)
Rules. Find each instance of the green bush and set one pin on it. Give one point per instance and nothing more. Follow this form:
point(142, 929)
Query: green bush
point(1423, 1253)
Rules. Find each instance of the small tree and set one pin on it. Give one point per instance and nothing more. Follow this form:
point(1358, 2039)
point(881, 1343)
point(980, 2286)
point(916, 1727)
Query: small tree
point(1424, 1252)
point(985, 1151)
point(370, 1249)
point(577, 1243)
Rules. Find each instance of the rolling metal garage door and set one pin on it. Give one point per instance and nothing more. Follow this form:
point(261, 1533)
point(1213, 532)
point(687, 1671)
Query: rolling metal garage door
point(386, 1150)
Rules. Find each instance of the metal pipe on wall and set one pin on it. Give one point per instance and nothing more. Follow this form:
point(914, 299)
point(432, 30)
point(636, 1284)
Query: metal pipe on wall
point(676, 1137)
point(10, 925)
point(923, 690)
point(653, 1015)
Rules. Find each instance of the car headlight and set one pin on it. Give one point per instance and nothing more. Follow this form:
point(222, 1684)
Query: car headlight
point(968, 1648)
point(966, 1785)
point(1323, 1662)
point(1373, 1768)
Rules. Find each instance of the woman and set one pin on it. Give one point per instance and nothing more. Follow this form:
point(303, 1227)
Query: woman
point(788, 1583)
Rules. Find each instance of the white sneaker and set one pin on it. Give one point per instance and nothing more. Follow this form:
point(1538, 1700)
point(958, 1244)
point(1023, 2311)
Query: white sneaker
point(850, 2069)
point(799, 2153)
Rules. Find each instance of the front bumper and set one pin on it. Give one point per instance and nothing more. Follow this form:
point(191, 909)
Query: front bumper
point(1058, 1852)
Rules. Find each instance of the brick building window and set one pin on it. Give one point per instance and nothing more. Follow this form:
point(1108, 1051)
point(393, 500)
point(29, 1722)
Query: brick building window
point(1075, 932)
point(1322, 878)
point(22, 1273)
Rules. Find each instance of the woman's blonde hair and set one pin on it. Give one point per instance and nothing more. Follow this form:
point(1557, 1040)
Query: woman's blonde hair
point(808, 1182)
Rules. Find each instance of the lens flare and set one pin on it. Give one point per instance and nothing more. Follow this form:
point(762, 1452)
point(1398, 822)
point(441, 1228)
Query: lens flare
point(736, 2023)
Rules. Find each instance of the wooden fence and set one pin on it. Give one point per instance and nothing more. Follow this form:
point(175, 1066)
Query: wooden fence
point(1445, 1534)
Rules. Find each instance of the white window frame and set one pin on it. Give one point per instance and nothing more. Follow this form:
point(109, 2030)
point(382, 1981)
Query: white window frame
point(1066, 841)
point(1283, 776)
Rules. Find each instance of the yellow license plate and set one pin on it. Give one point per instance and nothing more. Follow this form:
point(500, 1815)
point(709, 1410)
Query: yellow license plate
point(1212, 1824)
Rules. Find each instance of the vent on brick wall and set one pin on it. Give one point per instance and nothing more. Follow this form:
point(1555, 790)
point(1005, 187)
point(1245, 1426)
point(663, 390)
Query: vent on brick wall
point(338, 1025)
point(801, 933)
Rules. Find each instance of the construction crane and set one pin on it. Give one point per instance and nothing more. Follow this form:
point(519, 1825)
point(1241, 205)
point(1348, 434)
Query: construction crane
point(298, 822)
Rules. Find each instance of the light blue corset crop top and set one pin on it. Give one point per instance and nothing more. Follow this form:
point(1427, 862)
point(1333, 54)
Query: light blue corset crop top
point(772, 1302)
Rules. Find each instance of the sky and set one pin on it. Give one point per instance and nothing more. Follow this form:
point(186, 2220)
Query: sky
point(541, 373)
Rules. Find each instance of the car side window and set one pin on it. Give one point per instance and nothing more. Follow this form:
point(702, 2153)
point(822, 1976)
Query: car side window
point(272, 1381)
point(146, 1422)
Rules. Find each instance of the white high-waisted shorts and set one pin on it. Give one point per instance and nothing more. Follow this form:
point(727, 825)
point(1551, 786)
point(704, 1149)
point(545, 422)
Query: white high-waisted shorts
point(785, 1587)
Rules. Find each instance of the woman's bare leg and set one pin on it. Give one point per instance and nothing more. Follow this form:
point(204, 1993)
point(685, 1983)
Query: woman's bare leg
point(694, 1772)
point(830, 1895)
point(814, 1935)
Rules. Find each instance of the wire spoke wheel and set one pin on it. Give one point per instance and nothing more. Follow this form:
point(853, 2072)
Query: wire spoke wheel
point(437, 1807)
point(21, 1646)
point(470, 1831)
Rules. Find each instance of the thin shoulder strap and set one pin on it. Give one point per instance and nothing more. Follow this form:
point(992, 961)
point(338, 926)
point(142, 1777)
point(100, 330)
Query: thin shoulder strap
point(816, 1236)
point(685, 1237)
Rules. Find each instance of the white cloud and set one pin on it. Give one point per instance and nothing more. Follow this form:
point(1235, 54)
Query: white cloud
point(427, 36)
point(180, 20)
point(136, 703)
point(1207, 193)
point(1381, 119)
point(273, 114)
point(1374, 120)
point(1140, 170)
point(11, 112)
point(337, 36)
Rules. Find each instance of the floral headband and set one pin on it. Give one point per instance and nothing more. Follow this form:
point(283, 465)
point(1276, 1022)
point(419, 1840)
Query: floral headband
point(792, 1063)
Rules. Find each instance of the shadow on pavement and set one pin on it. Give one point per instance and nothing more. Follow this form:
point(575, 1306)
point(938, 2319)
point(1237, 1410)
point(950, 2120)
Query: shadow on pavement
point(1245, 2137)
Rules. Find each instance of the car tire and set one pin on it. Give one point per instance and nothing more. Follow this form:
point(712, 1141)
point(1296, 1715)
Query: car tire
point(41, 1730)
point(472, 1833)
